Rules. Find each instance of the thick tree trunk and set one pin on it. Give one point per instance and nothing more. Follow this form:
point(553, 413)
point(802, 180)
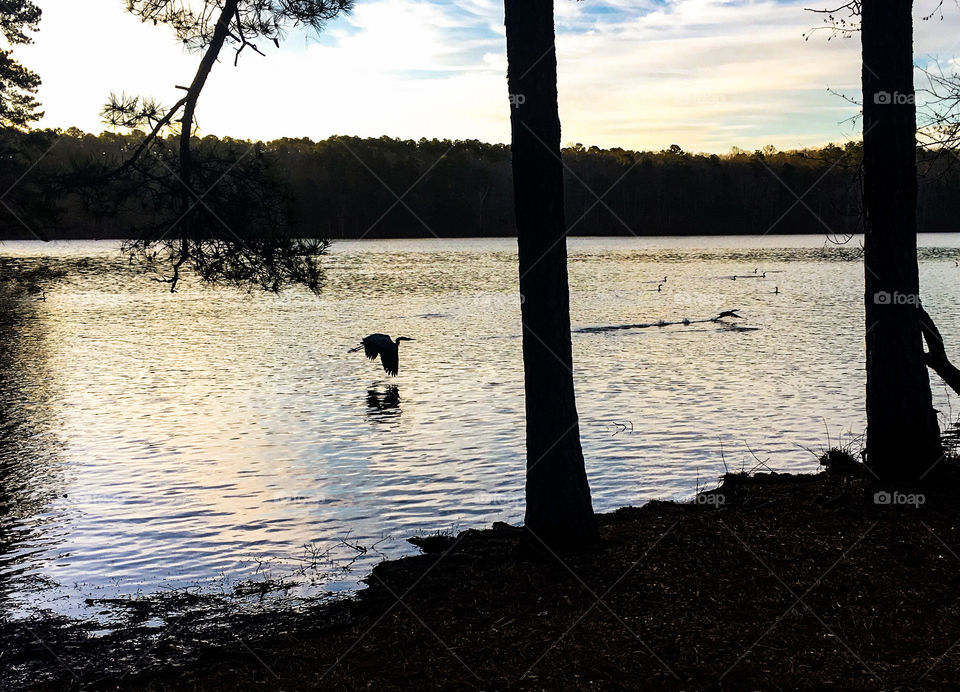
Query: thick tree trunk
point(559, 508)
point(903, 439)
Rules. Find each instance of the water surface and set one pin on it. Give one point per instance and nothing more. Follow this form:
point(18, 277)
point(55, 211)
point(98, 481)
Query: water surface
point(152, 441)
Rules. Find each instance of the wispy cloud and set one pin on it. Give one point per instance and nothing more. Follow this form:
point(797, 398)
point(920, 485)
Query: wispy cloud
point(705, 74)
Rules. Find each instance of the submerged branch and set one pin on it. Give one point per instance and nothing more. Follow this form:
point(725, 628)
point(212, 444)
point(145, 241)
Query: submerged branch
point(662, 323)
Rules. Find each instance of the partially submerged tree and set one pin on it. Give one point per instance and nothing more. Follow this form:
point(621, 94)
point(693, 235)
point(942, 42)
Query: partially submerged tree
point(559, 508)
point(18, 85)
point(223, 220)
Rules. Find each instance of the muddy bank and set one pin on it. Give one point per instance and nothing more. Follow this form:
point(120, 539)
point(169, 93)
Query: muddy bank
point(770, 581)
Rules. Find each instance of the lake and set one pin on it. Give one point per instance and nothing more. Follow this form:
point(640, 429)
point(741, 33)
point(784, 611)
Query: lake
point(153, 441)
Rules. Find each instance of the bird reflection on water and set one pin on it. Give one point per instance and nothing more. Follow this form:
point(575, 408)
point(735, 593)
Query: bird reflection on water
point(383, 402)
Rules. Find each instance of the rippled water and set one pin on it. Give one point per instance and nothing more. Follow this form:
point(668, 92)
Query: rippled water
point(150, 440)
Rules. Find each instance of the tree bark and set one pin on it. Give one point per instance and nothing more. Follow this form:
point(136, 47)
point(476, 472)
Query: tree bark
point(559, 507)
point(903, 438)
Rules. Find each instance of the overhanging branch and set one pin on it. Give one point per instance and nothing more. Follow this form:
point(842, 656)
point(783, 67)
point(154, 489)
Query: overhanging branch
point(936, 355)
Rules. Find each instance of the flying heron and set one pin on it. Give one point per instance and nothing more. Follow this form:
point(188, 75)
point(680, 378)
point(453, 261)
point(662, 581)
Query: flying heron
point(382, 345)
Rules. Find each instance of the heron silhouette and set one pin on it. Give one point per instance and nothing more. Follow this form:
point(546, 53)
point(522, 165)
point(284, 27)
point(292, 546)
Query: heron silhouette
point(382, 345)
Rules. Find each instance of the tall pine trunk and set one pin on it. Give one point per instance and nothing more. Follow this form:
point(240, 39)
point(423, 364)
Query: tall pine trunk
point(903, 438)
point(559, 508)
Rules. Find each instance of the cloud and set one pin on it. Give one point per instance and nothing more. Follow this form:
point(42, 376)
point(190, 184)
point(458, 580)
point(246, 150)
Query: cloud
point(706, 74)
point(711, 69)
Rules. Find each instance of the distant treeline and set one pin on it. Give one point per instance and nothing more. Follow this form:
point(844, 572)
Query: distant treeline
point(348, 187)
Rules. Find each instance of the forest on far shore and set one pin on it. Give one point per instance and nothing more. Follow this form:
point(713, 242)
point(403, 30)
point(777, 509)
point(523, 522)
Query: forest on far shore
point(350, 187)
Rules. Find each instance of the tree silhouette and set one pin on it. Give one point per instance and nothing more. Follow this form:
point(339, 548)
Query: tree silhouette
point(18, 85)
point(24, 204)
point(224, 222)
point(903, 437)
point(470, 190)
point(559, 508)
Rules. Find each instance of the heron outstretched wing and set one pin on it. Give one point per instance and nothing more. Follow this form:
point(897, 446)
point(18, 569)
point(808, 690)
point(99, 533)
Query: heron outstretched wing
point(390, 359)
point(375, 344)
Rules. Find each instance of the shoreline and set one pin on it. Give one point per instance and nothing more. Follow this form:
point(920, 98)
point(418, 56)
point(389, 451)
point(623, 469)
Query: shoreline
point(768, 580)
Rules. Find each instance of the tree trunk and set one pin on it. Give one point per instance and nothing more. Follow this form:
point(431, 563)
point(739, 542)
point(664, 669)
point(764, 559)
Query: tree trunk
point(189, 224)
point(903, 438)
point(220, 33)
point(559, 508)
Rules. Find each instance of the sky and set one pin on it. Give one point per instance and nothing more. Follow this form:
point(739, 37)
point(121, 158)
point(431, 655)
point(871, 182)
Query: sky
point(640, 74)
